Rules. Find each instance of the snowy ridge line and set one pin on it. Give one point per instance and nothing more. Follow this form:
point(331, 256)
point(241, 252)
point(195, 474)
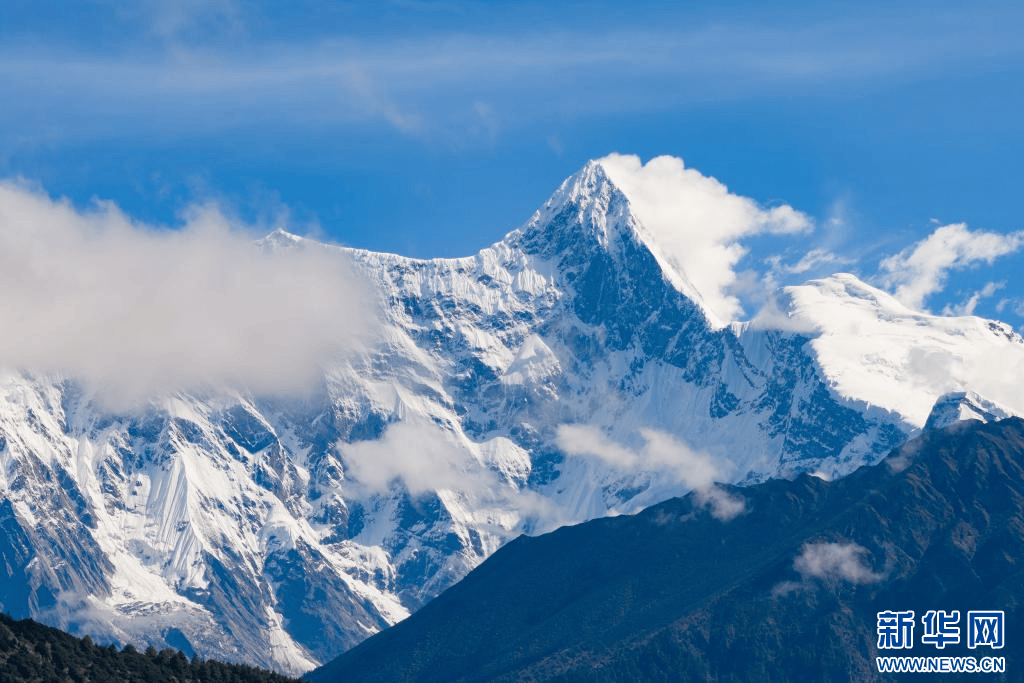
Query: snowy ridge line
point(561, 374)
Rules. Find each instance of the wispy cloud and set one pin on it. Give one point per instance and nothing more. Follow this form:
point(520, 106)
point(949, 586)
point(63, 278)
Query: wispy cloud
point(1014, 305)
point(662, 453)
point(421, 85)
point(967, 306)
point(423, 457)
point(813, 259)
point(922, 269)
point(178, 19)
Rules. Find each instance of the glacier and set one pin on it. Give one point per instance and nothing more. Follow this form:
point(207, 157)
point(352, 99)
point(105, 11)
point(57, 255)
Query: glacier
point(281, 531)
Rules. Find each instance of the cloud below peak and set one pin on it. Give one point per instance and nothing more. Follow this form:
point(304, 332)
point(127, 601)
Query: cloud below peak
point(835, 561)
point(661, 453)
point(133, 310)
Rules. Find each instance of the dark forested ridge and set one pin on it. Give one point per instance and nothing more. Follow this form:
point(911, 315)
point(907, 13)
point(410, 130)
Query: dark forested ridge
point(790, 590)
point(33, 653)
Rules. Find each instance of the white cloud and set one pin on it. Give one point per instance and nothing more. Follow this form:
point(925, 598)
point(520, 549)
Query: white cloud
point(967, 306)
point(696, 224)
point(423, 457)
point(815, 258)
point(661, 453)
point(922, 269)
point(1015, 305)
point(555, 144)
point(133, 310)
point(835, 561)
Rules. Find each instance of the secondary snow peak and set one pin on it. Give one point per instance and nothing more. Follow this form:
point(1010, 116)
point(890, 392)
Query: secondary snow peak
point(876, 350)
point(957, 406)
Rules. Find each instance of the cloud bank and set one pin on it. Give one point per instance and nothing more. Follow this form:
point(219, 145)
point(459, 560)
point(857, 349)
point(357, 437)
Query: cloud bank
point(696, 225)
point(662, 453)
point(922, 269)
point(132, 310)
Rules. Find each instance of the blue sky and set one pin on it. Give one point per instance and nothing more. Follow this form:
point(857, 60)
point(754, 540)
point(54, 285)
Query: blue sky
point(432, 128)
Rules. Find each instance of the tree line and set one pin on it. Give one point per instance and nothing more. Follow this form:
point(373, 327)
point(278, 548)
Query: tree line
point(33, 653)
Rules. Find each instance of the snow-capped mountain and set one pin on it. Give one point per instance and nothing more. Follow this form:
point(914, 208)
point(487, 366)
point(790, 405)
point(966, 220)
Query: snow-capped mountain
point(559, 375)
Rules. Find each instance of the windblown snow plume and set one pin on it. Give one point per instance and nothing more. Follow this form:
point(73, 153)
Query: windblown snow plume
point(696, 223)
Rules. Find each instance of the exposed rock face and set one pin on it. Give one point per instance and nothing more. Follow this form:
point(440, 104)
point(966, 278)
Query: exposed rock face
point(281, 532)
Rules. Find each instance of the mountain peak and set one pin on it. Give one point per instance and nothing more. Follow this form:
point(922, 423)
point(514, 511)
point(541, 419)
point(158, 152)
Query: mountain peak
point(876, 350)
point(847, 286)
point(586, 211)
point(590, 205)
point(587, 199)
point(589, 182)
point(957, 406)
point(279, 238)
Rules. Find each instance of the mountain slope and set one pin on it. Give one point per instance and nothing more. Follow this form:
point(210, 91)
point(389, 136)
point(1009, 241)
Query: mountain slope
point(790, 590)
point(875, 350)
point(32, 652)
point(556, 376)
